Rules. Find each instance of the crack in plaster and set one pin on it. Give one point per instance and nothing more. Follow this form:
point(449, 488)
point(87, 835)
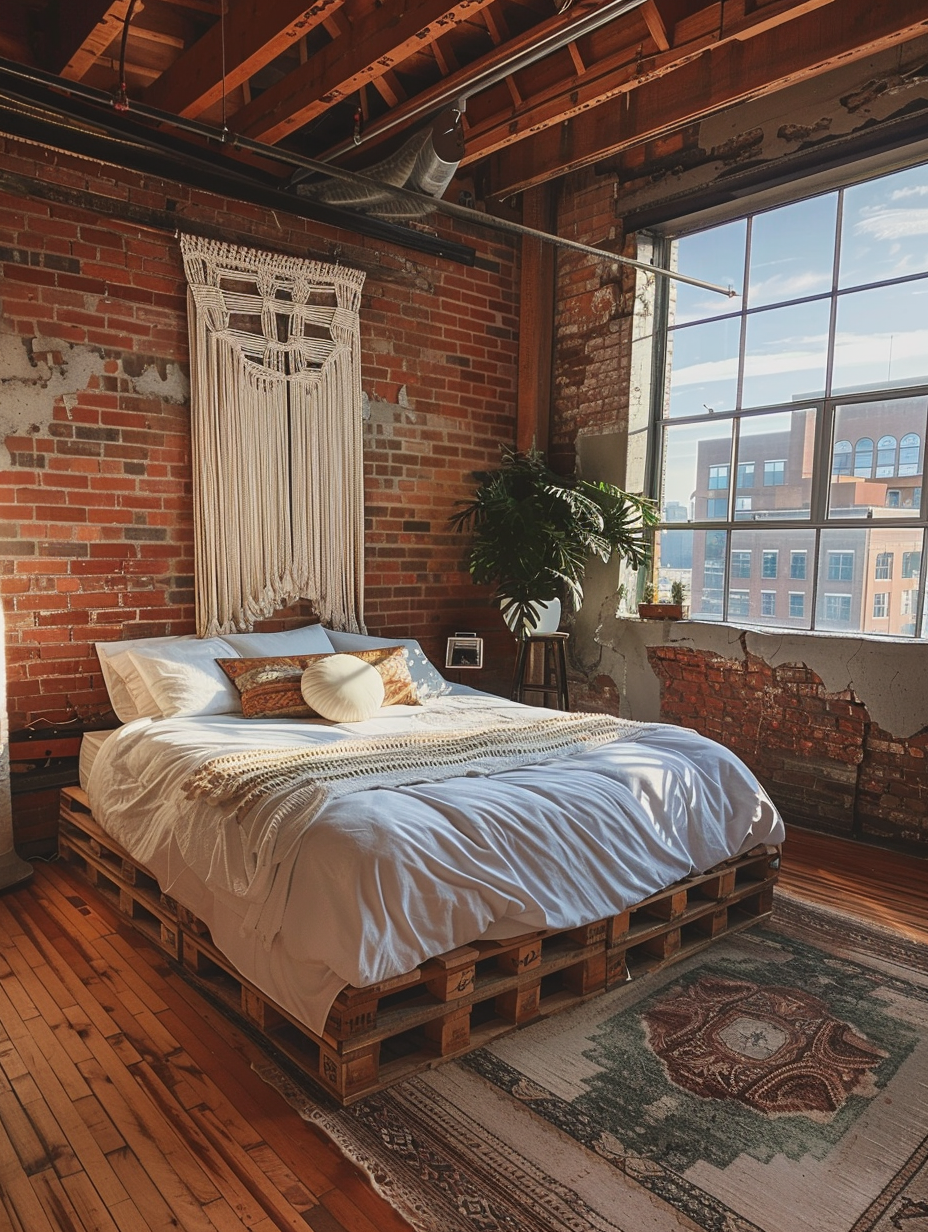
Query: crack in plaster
point(32, 382)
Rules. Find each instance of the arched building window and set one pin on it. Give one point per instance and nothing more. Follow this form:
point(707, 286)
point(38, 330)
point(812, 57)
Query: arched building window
point(863, 458)
point(886, 457)
point(841, 458)
point(909, 450)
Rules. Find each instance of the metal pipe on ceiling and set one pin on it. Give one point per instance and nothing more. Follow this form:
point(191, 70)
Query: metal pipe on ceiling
point(416, 201)
point(482, 80)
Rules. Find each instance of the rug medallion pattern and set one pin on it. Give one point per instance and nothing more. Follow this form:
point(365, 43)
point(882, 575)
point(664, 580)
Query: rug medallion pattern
point(775, 1083)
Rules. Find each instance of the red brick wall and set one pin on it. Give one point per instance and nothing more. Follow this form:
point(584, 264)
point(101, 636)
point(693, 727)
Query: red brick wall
point(96, 499)
point(593, 320)
point(825, 764)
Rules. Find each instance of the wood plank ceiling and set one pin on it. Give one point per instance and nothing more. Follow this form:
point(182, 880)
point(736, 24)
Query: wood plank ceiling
point(350, 79)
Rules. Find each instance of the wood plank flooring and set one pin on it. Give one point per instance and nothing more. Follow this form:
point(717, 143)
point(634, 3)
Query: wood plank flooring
point(127, 1104)
point(884, 887)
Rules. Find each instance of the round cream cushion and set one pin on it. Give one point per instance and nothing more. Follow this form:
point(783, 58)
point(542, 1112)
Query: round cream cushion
point(342, 688)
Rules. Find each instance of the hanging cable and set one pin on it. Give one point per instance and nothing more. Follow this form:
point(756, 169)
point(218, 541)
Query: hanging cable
point(222, 43)
point(121, 102)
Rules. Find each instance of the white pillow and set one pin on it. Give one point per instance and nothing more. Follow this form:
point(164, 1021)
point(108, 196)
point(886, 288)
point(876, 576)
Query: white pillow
point(428, 680)
point(129, 696)
point(342, 688)
point(185, 679)
point(308, 639)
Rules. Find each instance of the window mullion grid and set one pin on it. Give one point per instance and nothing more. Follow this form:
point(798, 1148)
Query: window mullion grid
point(743, 331)
point(920, 621)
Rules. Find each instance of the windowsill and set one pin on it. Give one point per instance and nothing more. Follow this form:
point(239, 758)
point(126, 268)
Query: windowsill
point(886, 639)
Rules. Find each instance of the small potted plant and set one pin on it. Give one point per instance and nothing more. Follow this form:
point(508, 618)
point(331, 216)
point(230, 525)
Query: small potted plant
point(648, 609)
point(678, 598)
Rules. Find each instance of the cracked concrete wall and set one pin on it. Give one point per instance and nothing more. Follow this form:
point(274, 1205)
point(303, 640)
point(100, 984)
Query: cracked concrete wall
point(889, 678)
point(835, 728)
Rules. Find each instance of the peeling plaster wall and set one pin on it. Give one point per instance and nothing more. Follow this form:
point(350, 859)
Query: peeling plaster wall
point(806, 121)
point(836, 728)
point(36, 372)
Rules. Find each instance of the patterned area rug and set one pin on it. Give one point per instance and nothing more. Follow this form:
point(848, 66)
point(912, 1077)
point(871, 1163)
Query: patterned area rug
point(775, 1082)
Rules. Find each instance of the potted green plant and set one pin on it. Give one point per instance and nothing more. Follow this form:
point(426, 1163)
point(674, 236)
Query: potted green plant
point(535, 530)
point(648, 609)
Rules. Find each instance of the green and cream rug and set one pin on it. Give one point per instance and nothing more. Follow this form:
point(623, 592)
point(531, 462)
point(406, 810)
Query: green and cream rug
point(776, 1082)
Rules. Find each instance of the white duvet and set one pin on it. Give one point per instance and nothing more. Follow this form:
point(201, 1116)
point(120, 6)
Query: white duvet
point(386, 878)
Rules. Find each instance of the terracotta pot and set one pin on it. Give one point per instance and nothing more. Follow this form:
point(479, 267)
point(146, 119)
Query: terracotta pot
point(660, 611)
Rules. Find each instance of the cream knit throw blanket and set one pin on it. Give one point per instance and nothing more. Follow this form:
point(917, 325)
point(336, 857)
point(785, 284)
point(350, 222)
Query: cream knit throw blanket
point(311, 777)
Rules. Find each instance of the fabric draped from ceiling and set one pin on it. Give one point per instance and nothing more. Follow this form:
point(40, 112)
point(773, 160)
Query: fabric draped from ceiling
point(276, 426)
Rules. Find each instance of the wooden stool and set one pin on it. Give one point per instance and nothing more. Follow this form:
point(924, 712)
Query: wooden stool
point(553, 670)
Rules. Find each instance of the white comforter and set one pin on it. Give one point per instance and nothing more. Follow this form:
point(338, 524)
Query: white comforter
point(385, 878)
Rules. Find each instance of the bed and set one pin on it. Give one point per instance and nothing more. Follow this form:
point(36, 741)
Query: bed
point(408, 909)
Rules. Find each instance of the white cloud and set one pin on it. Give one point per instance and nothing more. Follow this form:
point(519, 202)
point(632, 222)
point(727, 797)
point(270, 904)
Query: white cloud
point(917, 190)
point(784, 286)
point(887, 224)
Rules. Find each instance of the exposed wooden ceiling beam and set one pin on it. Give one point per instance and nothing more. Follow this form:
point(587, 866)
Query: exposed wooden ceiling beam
point(733, 72)
point(456, 82)
point(626, 69)
point(84, 30)
point(381, 40)
point(256, 32)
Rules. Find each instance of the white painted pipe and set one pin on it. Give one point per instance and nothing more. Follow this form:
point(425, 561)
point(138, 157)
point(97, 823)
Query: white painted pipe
point(13, 870)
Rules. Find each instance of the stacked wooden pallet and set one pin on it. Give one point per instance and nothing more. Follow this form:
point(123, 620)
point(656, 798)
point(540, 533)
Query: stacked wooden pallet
point(453, 1003)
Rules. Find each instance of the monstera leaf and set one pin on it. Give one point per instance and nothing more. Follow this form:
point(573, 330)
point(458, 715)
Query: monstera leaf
point(534, 531)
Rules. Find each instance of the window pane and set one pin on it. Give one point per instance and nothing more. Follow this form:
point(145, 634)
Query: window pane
point(778, 451)
point(772, 596)
point(859, 565)
point(714, 256)
point(785, 354)
point(697, 559)
point(707, 591)
point(884, 232)
point(865, 492)
point(689, 453)
point(704, 367)
point(803, 266)
point(882, 338)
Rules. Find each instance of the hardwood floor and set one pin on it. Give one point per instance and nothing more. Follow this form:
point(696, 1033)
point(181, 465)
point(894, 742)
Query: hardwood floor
point(128, 1104)
point(884, 887)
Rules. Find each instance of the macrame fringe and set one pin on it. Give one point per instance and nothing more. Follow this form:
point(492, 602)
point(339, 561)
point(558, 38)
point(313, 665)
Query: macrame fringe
point(276, 424)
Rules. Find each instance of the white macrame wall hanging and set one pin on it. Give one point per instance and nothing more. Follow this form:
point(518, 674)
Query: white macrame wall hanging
point(276, 425)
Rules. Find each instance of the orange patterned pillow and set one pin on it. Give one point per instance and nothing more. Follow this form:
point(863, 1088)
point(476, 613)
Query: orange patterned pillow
point(270, 688)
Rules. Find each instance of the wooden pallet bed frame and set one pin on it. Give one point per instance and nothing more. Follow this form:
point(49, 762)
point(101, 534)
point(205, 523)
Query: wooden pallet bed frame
point(452, 1004)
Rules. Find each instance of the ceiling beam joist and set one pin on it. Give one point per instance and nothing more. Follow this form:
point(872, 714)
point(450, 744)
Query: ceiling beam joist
point(86, 29)
point(456, 83)
point(255, 34)
point(623, 71)
point(380, 41)
point(722, 76)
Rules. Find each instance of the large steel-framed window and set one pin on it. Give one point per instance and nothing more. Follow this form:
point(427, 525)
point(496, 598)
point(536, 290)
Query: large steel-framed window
point(790, 424)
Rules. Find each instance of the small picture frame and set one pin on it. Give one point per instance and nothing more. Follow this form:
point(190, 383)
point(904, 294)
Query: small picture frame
point(464, 652)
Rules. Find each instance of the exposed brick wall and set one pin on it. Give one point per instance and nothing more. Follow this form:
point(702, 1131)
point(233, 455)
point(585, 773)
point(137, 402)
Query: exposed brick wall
point(96, 493)
point(593, 321)
point(823, 761)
